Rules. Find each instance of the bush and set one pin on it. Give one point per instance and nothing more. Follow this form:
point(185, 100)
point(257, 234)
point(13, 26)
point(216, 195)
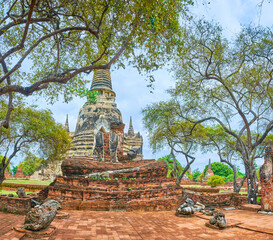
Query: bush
point(230, 178)
point(215, 181)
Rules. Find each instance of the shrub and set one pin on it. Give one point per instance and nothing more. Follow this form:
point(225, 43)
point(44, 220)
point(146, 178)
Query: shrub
point(215, 181)
point(230, 177)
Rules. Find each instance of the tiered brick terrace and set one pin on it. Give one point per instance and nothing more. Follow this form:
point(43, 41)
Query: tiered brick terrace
point(145, 189)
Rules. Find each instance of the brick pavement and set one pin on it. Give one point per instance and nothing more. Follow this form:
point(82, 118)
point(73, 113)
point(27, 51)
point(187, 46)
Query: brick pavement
point(143, 225)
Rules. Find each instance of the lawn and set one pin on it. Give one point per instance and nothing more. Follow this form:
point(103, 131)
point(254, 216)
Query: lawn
point(9, 192)
point(37, 182)
point(197, 186)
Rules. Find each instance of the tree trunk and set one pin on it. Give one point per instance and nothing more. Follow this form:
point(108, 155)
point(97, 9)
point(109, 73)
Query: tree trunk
point(2, 175)
point(252, 184)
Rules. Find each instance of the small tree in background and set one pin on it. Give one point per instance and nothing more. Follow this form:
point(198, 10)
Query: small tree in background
point(169, 160)
point(30, 163)
point(195, 174)
point(35, 130)
point(167, 128)
point(215, 181)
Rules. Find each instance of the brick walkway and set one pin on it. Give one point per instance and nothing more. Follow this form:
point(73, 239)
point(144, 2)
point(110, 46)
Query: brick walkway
point(144, 225)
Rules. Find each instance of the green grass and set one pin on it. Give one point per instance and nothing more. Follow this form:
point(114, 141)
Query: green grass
point(197, 186)
point(9, 192)
point(221, 191)
point(37, 182)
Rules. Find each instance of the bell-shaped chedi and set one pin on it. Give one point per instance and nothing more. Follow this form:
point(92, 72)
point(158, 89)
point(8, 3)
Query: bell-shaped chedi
point(100, 131)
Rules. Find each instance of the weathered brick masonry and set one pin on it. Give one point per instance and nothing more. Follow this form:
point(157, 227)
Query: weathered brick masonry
point(266, 179)
point(15, 205)
point(146, 189)
point(215, 199)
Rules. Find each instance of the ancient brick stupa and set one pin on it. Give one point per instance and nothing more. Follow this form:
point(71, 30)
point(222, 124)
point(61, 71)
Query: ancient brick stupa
point(105, 169)
point(100, 131)
point(209, 172)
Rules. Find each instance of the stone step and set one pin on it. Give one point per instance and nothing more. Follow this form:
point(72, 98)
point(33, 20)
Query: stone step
point(156, 204)
point(89, 140)
point(84, 148)
point(251, 207)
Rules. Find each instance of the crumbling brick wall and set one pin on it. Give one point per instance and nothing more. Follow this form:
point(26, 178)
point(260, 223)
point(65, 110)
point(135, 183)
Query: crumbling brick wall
point(215, 199)
point(15, 205)
point(266, 179)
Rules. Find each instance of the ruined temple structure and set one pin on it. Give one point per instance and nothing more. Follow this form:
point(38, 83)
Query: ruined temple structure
point(266, 179)
point(209, 171)
point(105, 169)
point(100, 130)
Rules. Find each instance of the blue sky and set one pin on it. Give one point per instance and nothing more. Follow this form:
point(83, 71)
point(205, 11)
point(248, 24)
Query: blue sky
point(131, 88)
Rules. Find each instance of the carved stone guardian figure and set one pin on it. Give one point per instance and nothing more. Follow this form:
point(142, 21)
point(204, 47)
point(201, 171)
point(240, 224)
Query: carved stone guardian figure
point(218, 220)
point(40, 217)
point(187, 208)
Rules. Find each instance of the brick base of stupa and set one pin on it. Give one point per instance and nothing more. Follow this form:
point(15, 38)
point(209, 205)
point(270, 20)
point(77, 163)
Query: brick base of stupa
point(146, 189)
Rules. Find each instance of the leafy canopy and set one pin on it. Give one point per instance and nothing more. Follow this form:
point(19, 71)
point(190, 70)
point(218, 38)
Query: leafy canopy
point(35, 131)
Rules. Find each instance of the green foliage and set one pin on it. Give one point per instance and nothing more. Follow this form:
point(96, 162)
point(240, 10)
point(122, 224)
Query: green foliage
point(195, 174)
point(1, 162)
point(29, 182)
point(201, 177)
point(14, 170)
point(33, 130)
point(165, 125)
point(91, 95)
point(230, 177)
point(219, 169)
point(94, 178)
point(12, 192)
point(258, 174)
point(30, 164)
point(215, 181)
point(169, 160)
point(226, 82)
point(79, 34)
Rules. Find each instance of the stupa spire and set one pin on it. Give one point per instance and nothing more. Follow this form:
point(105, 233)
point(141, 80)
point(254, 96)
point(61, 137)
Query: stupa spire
point(209, 166)
point(66, 124)
point(102, 79)
point(131, 129)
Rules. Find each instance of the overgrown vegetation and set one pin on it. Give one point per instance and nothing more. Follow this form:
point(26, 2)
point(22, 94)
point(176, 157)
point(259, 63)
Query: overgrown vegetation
point(215, 181)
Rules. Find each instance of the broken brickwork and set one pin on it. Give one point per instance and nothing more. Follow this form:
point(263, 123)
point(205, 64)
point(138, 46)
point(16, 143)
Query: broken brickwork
point(266, 179)
point(144, 189)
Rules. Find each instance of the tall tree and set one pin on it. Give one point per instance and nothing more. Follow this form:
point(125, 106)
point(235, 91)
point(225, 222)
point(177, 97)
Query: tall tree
point(229, 83)
point(166, 128)
point(46, 44)
point(225, 146)
point(34, 130)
